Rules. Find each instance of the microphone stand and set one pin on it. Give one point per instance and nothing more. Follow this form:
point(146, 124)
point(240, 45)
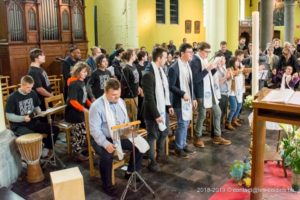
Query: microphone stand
point(132, 182)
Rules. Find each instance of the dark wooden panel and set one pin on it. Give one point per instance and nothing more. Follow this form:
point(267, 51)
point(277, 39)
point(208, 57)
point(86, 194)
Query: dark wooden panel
point(19, 68)
point(4, 60)
point(3, 23)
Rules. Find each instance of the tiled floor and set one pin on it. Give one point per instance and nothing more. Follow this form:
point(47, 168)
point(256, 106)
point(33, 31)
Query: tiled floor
point(181, 179)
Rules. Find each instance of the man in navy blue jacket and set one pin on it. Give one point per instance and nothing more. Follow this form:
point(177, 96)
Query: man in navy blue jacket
point(205, 93)
point(181, 88)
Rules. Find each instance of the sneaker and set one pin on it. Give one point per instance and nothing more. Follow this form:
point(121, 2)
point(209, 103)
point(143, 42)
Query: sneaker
point(199, 143)
point(221, 141)
point(180, 153)
point(154, 167)
point(45, 152)
point(188, 150)
point(111, 191)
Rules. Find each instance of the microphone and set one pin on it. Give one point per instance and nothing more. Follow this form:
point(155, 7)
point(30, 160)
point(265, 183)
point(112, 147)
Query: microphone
point(60, 59)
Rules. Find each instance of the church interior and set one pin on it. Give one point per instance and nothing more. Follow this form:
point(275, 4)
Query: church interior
point(149, 99)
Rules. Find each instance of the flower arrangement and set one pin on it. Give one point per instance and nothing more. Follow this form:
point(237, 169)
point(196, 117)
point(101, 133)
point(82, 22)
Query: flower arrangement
point(290, 151)
point(240, 172)
point(248, 101)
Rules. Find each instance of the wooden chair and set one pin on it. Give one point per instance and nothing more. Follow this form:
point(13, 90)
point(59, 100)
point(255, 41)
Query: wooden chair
point(92, 153)
point(209, 120)
point(55, 85)
point(4, 81)
point(58, 100)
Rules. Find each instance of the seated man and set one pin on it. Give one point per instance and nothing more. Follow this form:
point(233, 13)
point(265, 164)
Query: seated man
point(107, 111)
point(20, 109)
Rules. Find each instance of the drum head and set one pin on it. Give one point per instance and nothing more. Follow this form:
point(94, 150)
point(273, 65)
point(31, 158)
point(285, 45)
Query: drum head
point(32, 137)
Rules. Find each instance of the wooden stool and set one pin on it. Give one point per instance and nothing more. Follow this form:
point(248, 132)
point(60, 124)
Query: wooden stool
point(67, 184)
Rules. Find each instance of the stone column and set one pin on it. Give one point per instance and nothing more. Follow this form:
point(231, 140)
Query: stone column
point(289, 8)
point(117, 23)
point(233, 7)
point(216, 29)
point(266, 22)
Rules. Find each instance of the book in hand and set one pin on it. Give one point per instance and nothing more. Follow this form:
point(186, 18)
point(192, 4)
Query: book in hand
point(287, 96)
point(50, 111)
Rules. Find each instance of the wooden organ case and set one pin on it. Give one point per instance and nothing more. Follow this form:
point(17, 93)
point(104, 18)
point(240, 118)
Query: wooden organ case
point(52, 25)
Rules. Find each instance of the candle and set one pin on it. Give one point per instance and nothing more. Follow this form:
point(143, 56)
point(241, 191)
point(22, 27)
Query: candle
point(255, 51)
point(2, 119)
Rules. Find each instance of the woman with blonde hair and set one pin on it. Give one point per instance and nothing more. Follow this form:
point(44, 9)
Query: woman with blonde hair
point(77, 104)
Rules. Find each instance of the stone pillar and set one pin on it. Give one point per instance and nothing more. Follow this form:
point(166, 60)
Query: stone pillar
point(117, 23)
point(216, 29)
point(233, 8)
point(289, 8)
point(266, 23)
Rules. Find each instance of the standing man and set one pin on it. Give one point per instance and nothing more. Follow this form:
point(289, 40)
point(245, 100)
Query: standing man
point(67, 65)
point(171, 47)
point(181, 87)
point(107, 111)
point(206, 96)
point(156, 105)
point(42, 84)
point(225, 51)
point(91, 61)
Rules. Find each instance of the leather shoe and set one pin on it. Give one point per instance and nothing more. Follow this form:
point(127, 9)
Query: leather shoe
point(111, 191)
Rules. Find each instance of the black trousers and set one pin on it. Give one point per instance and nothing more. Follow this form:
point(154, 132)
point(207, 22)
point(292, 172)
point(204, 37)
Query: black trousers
point(106, 160)
point(37, 126)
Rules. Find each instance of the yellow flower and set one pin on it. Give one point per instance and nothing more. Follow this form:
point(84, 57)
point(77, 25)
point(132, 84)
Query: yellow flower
point(247, 182)
point(297, 135)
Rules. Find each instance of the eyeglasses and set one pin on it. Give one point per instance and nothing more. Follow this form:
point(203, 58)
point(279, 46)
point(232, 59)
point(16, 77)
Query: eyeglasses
point(188, 52)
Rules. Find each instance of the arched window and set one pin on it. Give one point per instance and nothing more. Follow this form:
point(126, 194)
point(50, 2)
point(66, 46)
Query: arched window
point(65, 20)
point(15, 22)
point(49, 24)
point(78, 23)
point(32, 19)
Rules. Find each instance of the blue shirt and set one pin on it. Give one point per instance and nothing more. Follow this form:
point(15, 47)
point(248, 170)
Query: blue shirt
point(98, 123)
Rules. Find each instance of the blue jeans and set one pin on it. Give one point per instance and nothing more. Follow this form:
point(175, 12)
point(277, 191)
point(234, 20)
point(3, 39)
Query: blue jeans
point(235, 108)
point(181, 131)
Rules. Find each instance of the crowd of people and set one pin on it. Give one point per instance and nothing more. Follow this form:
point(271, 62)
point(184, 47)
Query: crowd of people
point(131, 84)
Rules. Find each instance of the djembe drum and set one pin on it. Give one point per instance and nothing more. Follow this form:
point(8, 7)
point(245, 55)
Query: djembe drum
point(30, 147)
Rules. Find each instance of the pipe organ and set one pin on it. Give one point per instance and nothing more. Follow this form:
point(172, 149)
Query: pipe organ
point(52, 25)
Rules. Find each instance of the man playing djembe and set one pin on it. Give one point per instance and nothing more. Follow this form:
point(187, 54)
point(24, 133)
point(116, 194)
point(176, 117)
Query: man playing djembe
point(20, 109)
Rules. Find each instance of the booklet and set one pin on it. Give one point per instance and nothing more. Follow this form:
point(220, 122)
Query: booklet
point(283, 96)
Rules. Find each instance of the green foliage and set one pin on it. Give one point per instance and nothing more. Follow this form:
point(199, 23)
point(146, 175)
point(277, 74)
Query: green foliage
point(290, 146)
point(248, 101)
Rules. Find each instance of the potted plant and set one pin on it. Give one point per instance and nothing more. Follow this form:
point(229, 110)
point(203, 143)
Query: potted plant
point(290, 147)
point(248, 101)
